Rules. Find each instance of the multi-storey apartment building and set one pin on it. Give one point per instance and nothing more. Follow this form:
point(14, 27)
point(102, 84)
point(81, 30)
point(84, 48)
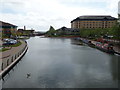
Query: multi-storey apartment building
point(7, 29)
point(90, 22)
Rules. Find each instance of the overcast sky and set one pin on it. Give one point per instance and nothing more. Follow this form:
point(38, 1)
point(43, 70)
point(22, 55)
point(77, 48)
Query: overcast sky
point(119, 7)
point(40, 14)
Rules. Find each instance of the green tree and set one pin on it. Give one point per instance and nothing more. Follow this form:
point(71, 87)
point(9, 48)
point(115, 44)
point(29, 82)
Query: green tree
point(116, 31)
point(51, 31)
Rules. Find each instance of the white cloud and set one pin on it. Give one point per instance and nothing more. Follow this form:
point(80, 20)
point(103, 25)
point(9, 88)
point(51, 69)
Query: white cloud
point(40, 14)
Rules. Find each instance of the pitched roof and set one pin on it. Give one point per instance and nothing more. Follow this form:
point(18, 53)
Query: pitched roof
point(4, 24)
point(92, 17)
point(68, 29)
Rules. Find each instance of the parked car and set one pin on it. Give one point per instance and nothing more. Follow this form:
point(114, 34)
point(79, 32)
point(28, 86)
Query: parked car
point(13, 42)
point(9, 42)
point(6, 43)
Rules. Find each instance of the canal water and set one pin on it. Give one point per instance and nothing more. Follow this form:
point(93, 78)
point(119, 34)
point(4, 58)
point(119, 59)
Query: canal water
point(57, 63)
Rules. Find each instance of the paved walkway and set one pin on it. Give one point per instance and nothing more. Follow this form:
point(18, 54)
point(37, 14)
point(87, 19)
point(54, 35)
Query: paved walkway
point(10, 52)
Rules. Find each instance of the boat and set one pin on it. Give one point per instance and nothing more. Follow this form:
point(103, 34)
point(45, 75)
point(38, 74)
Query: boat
point(105, 47)
point(85, 41)
point(90, 44)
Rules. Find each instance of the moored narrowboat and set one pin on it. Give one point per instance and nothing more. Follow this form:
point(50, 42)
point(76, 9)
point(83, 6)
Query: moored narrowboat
point(105, 47)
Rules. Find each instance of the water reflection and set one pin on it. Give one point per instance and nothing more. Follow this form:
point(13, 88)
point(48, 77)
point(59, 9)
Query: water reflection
point(56, 63)
point(1, 84)
point(114, 67)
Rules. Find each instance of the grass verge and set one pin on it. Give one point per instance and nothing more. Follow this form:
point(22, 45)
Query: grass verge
point(15, 45)
point(3, 49)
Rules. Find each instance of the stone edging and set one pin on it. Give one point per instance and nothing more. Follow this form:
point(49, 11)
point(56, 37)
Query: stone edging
point(7, 69)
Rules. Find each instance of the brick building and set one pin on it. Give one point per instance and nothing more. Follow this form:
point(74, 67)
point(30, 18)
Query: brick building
point(26, 32)
point(7, 29)
point(90, 22)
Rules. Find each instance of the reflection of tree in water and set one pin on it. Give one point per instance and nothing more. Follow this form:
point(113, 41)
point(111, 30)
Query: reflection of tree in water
point(115, 67)
point(119, 71)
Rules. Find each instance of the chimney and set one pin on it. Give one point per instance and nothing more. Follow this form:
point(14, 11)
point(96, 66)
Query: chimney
point(24, 27)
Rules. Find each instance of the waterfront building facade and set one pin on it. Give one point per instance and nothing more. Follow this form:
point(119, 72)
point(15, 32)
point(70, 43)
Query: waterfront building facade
point(93, 22)
point(7, 29)
point(26, 32)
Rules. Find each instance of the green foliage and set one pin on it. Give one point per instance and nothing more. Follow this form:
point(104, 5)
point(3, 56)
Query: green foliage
point(88, 33)
point(15, 45)
point(96, 33)
point(51, 32)
point(3, 49)
point(5, 35)
point(116, 31)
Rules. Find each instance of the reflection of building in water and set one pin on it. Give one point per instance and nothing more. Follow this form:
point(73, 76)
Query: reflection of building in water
point(1, 84)
point(119, 11)
point(114, 67)
point(119, 71)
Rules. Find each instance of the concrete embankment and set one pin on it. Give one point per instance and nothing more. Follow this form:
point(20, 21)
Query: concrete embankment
point(11, 57)
point(116, 48)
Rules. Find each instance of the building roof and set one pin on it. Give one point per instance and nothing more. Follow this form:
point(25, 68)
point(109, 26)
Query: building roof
point(92, 17)
point(4, 24)
point(22, 30)
point(68, 29)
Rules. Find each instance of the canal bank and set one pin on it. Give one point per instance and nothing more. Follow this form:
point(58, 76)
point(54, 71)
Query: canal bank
point(10, 57)
point(105, 47)
point(56, 63)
